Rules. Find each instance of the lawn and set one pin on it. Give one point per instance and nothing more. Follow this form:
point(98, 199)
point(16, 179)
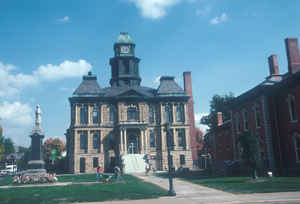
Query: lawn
point(77, 178)
point(132, 188)
point(248, 185)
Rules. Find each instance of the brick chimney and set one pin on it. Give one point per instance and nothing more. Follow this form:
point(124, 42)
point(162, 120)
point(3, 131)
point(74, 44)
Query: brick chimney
point(220, 118)
point(190, 112)
point(292, 52)
point(273, 65)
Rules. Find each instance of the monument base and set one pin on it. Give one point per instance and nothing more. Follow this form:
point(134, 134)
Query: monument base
point(36, 164)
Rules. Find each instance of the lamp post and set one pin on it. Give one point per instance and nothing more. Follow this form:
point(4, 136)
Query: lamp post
point(170, 166)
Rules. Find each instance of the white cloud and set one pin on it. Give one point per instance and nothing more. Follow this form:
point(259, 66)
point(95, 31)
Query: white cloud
point(16, 114)
point(198, 117)
point(219, 19)
point(12, 83)
point(67, 69)
point(156, 80)
point(154, 8)
point(203, 11)
point(65, 19)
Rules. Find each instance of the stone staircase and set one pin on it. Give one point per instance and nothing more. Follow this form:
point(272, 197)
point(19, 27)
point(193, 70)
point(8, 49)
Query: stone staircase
point(134, 163)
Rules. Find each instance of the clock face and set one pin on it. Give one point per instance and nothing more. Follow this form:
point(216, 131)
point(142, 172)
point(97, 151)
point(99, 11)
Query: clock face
point(125, 49)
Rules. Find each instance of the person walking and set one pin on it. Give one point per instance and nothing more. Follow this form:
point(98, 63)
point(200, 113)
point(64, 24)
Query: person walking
point(99, 173)
point(117, 173)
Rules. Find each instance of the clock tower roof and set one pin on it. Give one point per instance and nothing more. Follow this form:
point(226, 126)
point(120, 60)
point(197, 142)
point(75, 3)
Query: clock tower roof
point(124, 38)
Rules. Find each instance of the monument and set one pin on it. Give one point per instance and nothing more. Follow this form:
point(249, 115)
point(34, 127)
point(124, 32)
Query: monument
point(36, 163)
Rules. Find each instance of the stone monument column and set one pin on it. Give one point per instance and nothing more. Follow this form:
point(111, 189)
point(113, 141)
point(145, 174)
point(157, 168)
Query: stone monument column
point(37, 135)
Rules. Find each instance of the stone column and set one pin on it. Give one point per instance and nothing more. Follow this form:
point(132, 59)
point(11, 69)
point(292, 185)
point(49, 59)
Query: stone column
point(142, 141)
point(173, 113)
point(125, 143)
point(121, 141)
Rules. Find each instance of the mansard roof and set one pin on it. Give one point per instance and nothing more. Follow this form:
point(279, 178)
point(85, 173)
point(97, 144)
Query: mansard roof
point(88, 87)
point(128, 91)
point(168, 87)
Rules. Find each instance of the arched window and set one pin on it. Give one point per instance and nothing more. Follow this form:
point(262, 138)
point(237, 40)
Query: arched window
point(96, 115)
point(257, 115)
point(180, 113)
point(168, 113)
point(84, 115)
point(111, 114)
point(152, 139)
point(237, 123)
point(245, 119)
point(96, 140)
point(151, 114)
point(297, 146)
point(292, 109)
point(132, 113)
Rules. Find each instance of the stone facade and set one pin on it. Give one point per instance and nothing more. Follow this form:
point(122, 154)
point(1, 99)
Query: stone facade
point(127, 118)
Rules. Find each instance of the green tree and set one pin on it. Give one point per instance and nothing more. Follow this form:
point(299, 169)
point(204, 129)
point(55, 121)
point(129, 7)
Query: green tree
point(8, 146)
point(250, 151)
point(218, 103)
point(52, 153)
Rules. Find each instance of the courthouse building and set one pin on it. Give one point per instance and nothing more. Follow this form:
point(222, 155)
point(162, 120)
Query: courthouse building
point(126, 118)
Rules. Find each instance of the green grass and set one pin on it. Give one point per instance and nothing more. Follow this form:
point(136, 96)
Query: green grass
point(132, 189)
point(248, 185)
point(77, 178)
point(7, 180)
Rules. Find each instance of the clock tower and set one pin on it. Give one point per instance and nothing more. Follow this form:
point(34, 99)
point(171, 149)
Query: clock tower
point(124, 65)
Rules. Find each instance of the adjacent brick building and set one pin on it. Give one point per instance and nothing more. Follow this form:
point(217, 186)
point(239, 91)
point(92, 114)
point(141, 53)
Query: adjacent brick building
point(271, 111)
point(127, 118)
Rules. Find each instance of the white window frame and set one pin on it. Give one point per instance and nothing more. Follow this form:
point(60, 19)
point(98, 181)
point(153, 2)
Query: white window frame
point(291, 98)
point(245, 120)
point(296, 135)
point(256, 115)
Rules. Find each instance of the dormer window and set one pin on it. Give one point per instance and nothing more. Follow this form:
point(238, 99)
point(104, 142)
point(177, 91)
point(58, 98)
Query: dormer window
point(292, 108)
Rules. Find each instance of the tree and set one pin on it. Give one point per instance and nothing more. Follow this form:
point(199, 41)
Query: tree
point(8, 146)
point(250, 151)
point(52, 153)
point(218, 103)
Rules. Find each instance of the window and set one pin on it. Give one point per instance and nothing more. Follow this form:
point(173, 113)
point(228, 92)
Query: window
point(96, 115)
point(83, 140)
point(152, 139)
point(84, 115)
point(111, 114)
point(170, 140)
point(297, 146)
point(151, 114)
point(181, 138)
point(132, 113)
point(292, 108)
point(180, 113)
point(168, 113)
point(237, 123)
point(257, 116)
point(245, 119)
point(182, 160)
point(95, 162)
point(96, 140)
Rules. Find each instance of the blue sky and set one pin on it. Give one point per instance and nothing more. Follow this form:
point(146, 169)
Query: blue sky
point(46, 47)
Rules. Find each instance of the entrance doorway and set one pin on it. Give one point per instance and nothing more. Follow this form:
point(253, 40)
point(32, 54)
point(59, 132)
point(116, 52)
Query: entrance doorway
point(82, 165)
point(133, 144)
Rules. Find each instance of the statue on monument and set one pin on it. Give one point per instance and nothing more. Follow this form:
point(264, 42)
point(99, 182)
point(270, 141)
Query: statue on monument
point(37, 135)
